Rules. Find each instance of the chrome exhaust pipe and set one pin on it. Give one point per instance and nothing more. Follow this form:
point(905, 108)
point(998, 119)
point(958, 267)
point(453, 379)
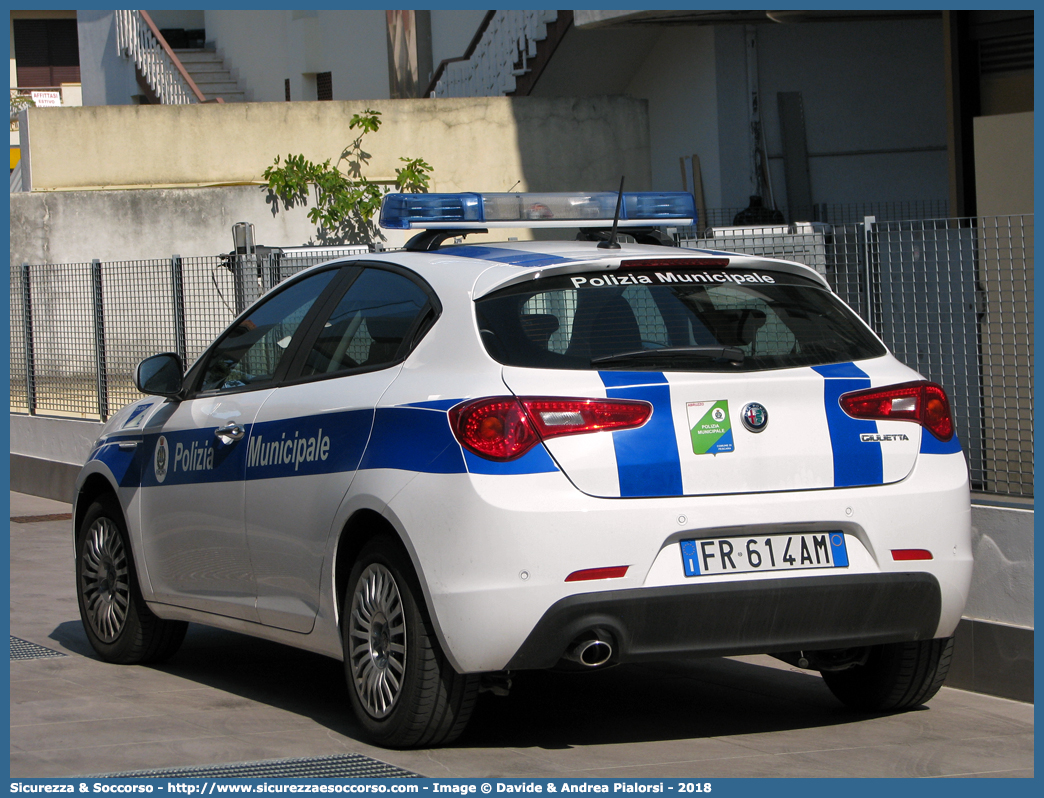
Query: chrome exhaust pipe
point(590, 651)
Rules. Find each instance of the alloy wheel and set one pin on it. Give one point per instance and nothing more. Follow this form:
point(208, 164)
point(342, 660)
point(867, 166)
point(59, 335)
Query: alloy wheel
point(377, 628)
point(105, 579)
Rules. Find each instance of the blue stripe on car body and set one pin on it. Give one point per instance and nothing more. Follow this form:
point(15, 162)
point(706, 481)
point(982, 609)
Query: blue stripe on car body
point(627, 379)
point(513, 257)
point(855, 462)
point(932, 445)
point(124, 465)
point(437, 404)
point(407, 438)
point(647, 459)
point(535, 461)
point(413, 439)
point(307, 445)
point(200, 458)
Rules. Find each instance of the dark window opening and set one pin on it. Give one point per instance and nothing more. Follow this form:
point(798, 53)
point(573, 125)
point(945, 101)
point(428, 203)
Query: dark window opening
point(47, 52)
point(286, 89)
point(324, 86)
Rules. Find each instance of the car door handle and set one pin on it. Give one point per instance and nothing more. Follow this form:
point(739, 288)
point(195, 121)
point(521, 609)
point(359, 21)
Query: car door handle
point(229, 432)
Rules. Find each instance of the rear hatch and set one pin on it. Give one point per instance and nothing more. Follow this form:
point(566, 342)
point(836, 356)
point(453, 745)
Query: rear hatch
point(742, 367)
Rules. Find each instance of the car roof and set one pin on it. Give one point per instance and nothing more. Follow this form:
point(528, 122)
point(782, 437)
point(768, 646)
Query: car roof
point(486, 267)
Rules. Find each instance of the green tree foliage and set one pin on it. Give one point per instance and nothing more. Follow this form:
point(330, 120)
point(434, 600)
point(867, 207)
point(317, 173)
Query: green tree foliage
point(18, 103)
point(346, 202)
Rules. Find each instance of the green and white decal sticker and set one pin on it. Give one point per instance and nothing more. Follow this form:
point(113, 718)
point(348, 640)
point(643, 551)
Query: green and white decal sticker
point(710, 427)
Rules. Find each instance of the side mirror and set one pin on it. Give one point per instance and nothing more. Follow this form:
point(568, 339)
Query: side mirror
point(160, 375)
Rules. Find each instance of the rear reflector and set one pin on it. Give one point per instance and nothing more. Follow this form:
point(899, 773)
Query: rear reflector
point(922, 402)
point(506, 427)
point(588, 574)
point(911, 554)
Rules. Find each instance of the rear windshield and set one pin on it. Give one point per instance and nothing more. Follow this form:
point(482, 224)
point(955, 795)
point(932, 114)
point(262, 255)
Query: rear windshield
point(684, 320)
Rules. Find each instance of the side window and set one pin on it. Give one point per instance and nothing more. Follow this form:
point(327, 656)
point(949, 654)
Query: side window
point(369, 324)
point(250, 352)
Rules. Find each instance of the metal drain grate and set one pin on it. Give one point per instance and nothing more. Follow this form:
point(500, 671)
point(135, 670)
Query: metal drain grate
point(23, 649)
point(342, 766)
point(36, 519)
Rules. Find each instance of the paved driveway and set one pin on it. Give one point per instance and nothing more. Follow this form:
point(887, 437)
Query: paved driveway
point(226, 698)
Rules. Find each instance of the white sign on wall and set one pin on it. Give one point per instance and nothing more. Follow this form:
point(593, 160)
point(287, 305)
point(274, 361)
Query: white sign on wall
point(47, 99)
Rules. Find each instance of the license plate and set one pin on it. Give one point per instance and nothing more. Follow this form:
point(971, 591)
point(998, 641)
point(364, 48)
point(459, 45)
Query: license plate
point(708, 556)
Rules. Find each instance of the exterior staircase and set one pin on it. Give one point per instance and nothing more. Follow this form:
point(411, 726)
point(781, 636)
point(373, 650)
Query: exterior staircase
point(210, 74)
point(506, 57)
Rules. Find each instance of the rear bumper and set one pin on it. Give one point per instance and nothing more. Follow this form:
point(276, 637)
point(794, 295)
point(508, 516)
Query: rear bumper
point(721, 619)
point(494, 561)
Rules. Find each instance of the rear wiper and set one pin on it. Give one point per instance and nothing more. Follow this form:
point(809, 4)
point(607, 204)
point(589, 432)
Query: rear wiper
point(730, 353)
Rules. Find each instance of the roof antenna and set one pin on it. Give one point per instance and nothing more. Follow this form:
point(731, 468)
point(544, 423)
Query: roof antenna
point(513, 187)
point(610, 243)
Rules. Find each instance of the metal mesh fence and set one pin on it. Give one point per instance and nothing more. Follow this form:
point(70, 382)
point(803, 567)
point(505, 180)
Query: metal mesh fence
point(68, 318)
point(65, 356)
point(952, 298)
point(830, 213)
point(19, 355)
point(1005, 305)
point(137, 307)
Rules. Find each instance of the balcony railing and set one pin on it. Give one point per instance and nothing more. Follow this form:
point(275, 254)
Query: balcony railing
point(502, 53)
point(138, 38)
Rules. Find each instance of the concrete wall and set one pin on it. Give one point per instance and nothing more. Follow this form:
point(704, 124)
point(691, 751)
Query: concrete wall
point(993, 648)
point(1004, 185)
point(1003, 164)
point(1002, 582)
point(106, 79)
point(678, 80)
point(264, 48)
point(183, 18)
point(732, 158)
point(867, 87)
point(481, 144)
point(56, 439)
point(873, 95)
point(268, 47)
point(47, 453)
point(672, 69)
point(78, 226)
point(484, 144)
point(452, 31)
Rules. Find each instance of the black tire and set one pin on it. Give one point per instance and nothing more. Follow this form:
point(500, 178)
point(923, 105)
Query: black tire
point(403, 690)
point(119, 625)
point(895, 676)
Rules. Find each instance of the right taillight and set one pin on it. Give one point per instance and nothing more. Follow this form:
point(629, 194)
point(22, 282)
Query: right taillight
point(506, 427)
point(922, 402)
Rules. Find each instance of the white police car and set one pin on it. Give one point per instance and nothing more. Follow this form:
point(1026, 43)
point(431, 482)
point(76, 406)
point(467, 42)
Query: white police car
point(458, 460)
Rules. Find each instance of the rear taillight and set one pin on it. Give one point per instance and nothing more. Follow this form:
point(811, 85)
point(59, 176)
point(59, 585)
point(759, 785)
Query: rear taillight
point(506, 427)
point(922, 402)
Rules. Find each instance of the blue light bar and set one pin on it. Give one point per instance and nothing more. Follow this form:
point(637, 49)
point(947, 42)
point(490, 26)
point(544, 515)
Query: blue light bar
point(537, 209)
